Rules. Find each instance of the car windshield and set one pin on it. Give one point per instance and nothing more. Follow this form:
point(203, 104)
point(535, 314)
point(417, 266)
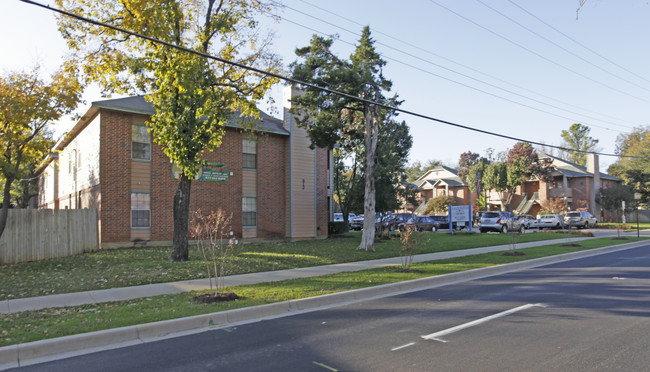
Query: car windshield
point(573, 214)
point(490, 214)
point(548, 216)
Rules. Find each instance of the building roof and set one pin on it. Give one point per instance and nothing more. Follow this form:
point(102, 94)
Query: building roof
point(437, 175)
point(138, 105)
point(572, 170)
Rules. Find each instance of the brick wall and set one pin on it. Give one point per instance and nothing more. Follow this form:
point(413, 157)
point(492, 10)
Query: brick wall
point(272, 152)
point(115, 175)
point(271, 185)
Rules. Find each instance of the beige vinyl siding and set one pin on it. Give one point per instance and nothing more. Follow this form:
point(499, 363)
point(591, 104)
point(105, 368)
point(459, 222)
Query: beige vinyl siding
point(140, 234)
point(249, 232)
point(249, 182)
point(140, 176)
point(302, 185)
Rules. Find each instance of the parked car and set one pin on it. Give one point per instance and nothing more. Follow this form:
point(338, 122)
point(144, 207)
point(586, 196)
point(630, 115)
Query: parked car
point(500, 222)
point(393, 221)
point(443, 222)
point(580, 219)
point(421, 223)
point(551, 221)
point(528, 221)
point(356, 222)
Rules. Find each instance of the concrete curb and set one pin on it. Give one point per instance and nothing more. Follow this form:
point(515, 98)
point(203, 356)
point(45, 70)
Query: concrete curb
point(41, 351)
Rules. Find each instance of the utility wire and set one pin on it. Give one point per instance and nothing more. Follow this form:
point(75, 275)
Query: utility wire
point(561, 47)
point(577, 42)
point(456, 63)
point(537, 54)
point(446, 78)
point(463, 75)
point(306, 84)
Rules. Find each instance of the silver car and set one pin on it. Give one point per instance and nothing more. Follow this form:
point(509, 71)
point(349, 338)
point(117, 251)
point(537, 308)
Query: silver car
point(528, 221)
point(580, 219)
point(499, 222)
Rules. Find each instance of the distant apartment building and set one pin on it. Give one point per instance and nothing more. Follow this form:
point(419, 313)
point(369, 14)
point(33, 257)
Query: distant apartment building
point(274, 185)
point(576, 186)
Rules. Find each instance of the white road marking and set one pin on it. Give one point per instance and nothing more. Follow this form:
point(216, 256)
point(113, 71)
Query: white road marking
point(435, 336)
point(403, 346)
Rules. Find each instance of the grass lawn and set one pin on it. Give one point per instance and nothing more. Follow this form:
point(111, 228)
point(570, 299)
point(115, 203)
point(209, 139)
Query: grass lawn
point(56, 322)
point(138, 266)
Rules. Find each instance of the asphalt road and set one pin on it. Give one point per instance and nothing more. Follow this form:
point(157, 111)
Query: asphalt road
point(591, 314)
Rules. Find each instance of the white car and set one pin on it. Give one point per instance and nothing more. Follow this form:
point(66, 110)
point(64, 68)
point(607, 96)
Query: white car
point(550, 221)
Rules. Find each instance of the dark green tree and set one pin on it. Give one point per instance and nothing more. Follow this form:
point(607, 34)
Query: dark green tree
point(346, 120)
point(577, 138)
point(635, 171)
point(612, 199)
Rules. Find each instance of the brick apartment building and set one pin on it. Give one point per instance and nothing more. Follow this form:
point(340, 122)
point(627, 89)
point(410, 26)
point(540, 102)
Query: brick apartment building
point(274, 185)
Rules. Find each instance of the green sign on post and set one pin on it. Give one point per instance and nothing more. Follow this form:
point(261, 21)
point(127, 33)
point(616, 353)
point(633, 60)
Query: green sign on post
point(209, 172)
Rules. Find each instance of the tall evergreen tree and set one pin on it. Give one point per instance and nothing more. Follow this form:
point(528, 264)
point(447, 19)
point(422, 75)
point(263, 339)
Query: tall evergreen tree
point(351, 123)
point(577, 138)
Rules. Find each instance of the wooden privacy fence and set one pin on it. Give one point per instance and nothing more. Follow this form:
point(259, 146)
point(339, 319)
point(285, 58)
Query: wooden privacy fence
point(38, 234)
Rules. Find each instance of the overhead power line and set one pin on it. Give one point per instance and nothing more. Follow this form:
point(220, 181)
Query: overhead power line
point(561, 47)
point(538, 54)
point(306, 84)
point(577, 42)
point(463, 75)
point(619, 120)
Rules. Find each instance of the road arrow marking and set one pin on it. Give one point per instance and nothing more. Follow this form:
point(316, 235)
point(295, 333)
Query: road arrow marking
point(436, 336)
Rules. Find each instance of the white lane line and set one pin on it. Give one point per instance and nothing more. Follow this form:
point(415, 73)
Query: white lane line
point(403, 346)
point(435, 336)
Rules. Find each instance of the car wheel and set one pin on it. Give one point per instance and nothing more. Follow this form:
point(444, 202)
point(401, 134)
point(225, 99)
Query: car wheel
point(557, 227)
point(434, 228)
point(522, 229)
point(504, 229)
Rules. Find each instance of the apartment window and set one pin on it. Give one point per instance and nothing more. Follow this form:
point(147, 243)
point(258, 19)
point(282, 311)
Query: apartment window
point(140, 142)
point(140, 209)
point(249, 153)
point(249, 209)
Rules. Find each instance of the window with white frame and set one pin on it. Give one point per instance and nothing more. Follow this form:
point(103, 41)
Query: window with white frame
point(140, 209)
point(249, 150)
point(140, 142)
point(249, 209)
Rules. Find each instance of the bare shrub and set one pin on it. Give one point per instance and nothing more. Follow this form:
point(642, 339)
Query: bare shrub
point(217, 244)
point(408, 247)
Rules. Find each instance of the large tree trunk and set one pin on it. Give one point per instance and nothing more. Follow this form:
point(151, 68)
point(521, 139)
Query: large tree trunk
point(371, 129)
point(181, 218)
point(6, 199)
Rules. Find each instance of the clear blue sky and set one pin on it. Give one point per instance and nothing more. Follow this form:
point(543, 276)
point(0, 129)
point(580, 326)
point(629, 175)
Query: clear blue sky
point(459, 61)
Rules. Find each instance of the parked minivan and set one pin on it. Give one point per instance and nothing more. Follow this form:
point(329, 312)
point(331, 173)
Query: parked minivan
point(580, 219)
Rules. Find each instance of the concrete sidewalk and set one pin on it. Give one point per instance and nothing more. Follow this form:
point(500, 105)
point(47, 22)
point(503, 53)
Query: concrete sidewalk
point(63, 347)
point(140, 291)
